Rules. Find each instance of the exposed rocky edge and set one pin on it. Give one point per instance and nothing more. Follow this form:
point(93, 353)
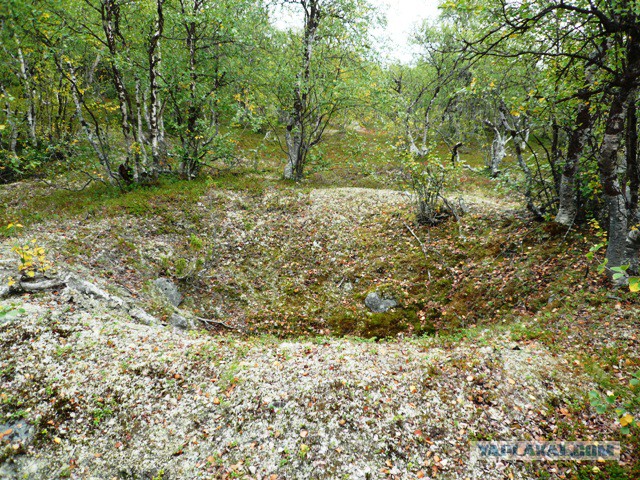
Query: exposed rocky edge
point(72, 285)
point(380, 303)
point(110, 398)
point(169, 290)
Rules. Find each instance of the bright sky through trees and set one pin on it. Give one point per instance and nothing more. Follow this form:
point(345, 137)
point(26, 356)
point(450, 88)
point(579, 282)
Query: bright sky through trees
point(402, 16)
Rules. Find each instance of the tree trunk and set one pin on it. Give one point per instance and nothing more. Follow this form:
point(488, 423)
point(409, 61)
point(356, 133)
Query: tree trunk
point(567, 197)
point(191, 138)
point(618, 251)
point(556, 154)
point(293, 169)
point(614, 196)
point(633, 171)
point(92, 137)
point(519, 144)
point(110, 13)
point(297, 138)
point(154, 97)
point(455, 154)
point(632, 247)
point(25, 75)
point(498, 149)
point(61, 101)
point(633, 175)
point(140, 169)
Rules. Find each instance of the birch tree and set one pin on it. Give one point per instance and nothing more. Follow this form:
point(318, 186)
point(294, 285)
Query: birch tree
point(588, 26)
point(320, 69)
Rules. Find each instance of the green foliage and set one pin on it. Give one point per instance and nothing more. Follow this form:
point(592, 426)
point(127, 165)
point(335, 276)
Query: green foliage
point(30, 160)
point(593, 250)
point(32, 257)
point(427, 176)
point(222, 148)
point(10, 313)
point(195, 242)
point(619, 274)
point(324, 72)
point(607, 405)
point(318, 160)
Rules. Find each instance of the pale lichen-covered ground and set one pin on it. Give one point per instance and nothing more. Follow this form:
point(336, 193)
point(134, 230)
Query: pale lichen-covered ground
point(102, 396)
point(116, 399)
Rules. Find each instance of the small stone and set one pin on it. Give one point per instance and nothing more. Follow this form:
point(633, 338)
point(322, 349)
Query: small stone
point(378, 303)
point(180, 322)
point(169, 290)
point(143, 317)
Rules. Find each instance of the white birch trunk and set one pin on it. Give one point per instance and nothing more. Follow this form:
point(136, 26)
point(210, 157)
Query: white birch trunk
point(30, 95)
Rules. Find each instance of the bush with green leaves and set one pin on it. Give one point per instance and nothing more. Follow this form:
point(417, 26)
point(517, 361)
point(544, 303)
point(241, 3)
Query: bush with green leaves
point(427, 177)
point(619, 274)
point(10, 313)
point(607, 404)
point(29, 160)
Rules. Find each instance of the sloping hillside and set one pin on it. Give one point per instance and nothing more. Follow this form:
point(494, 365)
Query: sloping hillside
point(485, 341)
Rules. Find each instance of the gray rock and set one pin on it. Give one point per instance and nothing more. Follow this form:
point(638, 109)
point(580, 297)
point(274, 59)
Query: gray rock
point(91, 290)
point(21, 431)
point(169, 290)
point(143, 317)
point(180, 322)
point(378, 303)
point(5, 290)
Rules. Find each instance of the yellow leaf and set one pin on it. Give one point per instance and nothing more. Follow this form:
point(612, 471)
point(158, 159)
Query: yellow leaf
point(31, 273)
point(11, 282)
point(626, 419)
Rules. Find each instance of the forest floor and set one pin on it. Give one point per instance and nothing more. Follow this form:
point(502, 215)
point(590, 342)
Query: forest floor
point(501, 330)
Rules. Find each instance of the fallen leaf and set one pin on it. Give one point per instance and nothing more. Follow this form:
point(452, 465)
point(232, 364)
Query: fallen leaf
point(626, 419)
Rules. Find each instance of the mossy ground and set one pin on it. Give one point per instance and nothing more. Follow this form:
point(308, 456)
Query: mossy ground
point(249, 248)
